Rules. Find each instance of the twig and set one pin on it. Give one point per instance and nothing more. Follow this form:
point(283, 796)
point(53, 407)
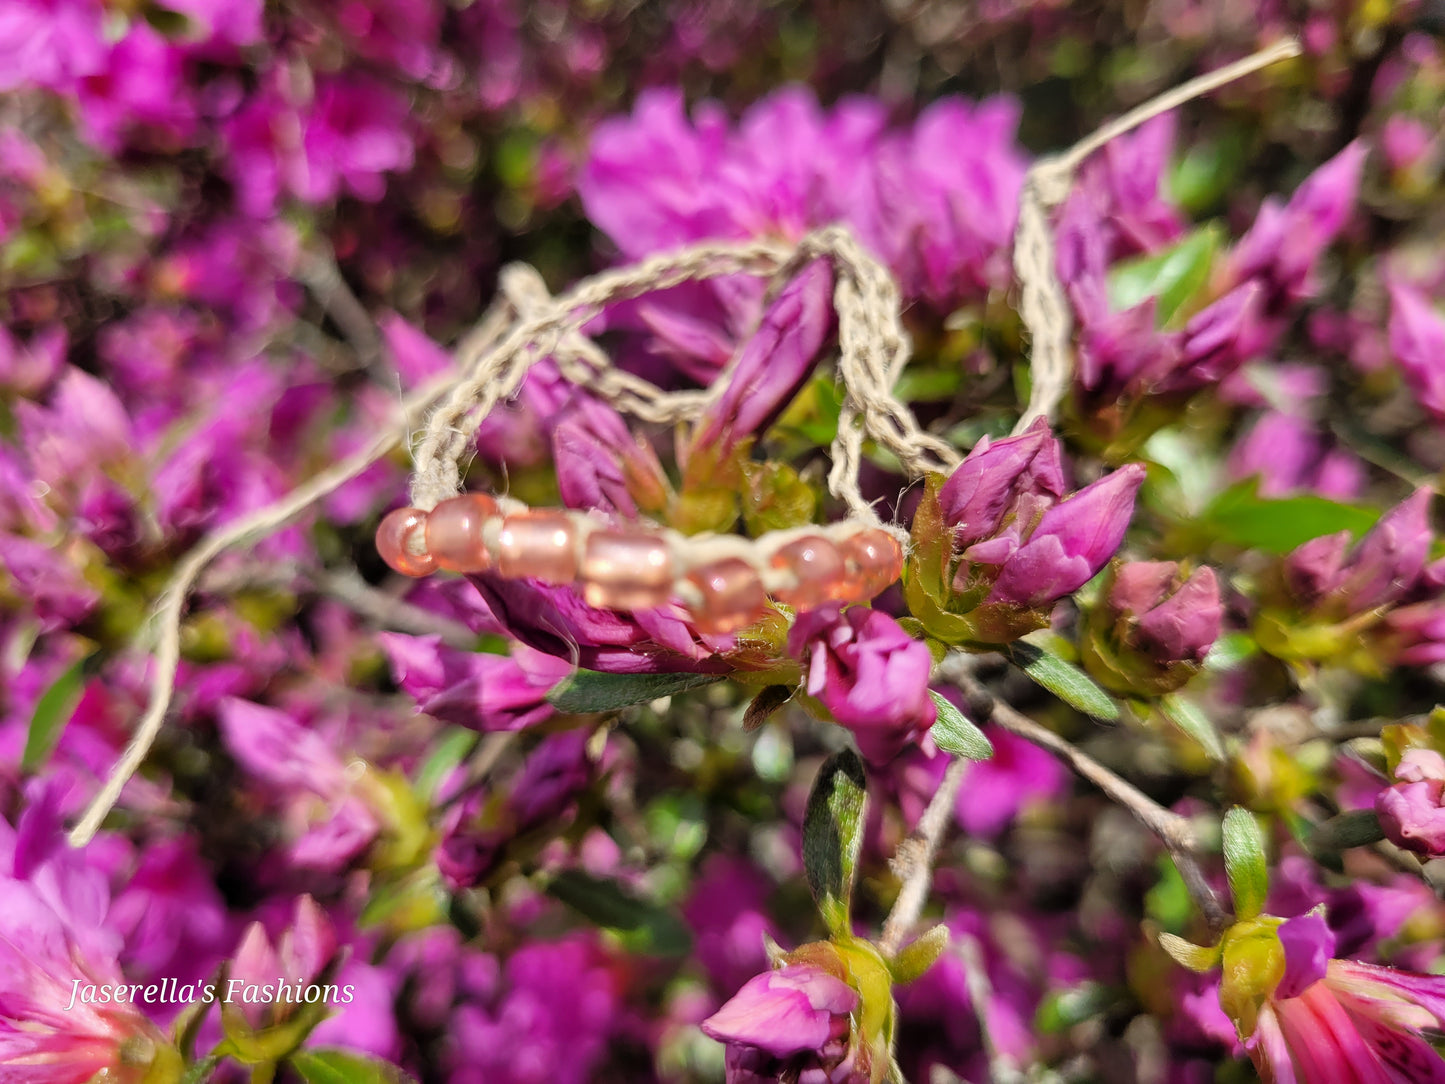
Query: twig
point(913, 862)
point(1173, 830)
point(1001, 1069)
point(323, 278)
point(391, 612)
point(383, 609)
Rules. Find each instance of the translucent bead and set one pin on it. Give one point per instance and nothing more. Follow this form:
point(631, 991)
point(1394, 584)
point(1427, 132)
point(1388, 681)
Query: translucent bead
point(394, 538)
point(454, 533)
point(732, 596)
point(626, 570)
point(541, 545)
point(818, 566)
point(873, 560)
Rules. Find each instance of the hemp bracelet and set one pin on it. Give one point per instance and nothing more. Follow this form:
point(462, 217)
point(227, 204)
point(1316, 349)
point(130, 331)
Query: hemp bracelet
point(723, 581)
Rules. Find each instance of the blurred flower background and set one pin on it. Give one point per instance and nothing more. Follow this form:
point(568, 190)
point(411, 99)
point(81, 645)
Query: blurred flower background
point(235, 234)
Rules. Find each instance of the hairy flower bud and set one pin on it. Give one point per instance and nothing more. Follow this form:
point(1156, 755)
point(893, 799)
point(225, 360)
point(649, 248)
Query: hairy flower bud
point(1323, 577)
point(989, 483)
point(1154, 627)
point(1072, 542)
point(1412, 811)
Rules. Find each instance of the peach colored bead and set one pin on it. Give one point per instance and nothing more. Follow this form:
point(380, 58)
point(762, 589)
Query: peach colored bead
point(874, 559)
point(454, 533)
point(393, 542)
point(626, 570)
point(541, 545)
point(818, 566)
point(732, 596)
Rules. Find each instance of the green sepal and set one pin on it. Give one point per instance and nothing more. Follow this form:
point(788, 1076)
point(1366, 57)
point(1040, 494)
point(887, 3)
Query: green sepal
point(916, 957)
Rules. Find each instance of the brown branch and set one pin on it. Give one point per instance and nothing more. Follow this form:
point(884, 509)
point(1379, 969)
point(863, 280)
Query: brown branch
point(913, 862)
point(1173, 830)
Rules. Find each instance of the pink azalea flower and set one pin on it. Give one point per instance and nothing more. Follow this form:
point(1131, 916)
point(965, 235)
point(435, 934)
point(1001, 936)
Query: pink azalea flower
point(1345, 1022)
point(56, 939)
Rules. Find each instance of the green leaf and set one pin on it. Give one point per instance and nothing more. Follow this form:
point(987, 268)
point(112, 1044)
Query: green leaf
point(325, 1065)
point(1204, 175)
point(1240, 517)
point(52, 712)
point(448, 750)
point(590, 690)
point(954, 732)
point(919, 955)
point(1168, 902)
point(1064, 680)
point(1245, 863)
point(1356, 828)
point(768, 700)
point(1230, 650)
point(1062, 1009)
point(833, 836)
point(605, 903)
point(1172, 276)
point(1184, 713)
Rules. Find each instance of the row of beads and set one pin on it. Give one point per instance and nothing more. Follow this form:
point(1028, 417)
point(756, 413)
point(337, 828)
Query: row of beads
point(724, 581)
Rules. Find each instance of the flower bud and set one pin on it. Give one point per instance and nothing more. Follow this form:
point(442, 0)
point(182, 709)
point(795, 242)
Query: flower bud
point(825, 1013)
point(1412, 811)
point(1417, 340)
point(1071, 543)
point(1154, 627)
point(990, 482)
point(1381, 569)
point(774, 362)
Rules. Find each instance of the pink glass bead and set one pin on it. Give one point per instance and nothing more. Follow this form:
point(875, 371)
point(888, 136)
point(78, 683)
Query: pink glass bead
point(732, 596)
point(873, 560)
point(394, 536)
point(541, 545)
point(626, 570)
point(454, 533)
point(818, 566)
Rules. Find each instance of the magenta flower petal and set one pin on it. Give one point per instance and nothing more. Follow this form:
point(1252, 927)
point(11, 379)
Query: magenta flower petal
point(784, 1012)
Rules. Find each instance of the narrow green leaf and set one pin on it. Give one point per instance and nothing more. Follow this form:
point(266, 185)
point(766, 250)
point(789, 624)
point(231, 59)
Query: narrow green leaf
point(1356, 828)
point(605, 903)
point(52, 712)
point(919, 955)
point(1064, 680)
point(1171, 276)
point(954, 732)
point(326, 1065)
point(1240, 517)
point(448, 750)
point(1062, 1009)
point(833, 836)
point(1184, 713)
point(1245, 863)
point(768, 700)
point(591, 690)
